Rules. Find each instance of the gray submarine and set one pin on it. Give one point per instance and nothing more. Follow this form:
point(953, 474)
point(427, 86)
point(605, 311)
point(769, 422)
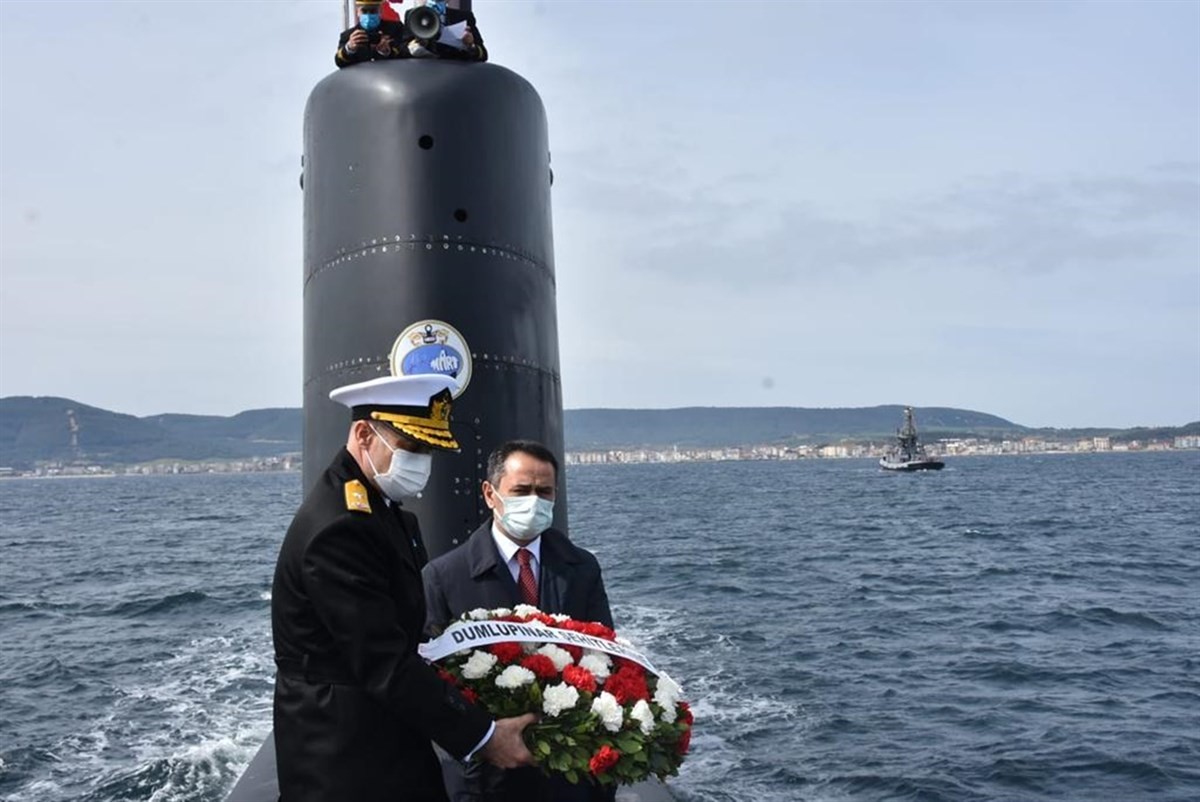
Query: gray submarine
point(428, 248)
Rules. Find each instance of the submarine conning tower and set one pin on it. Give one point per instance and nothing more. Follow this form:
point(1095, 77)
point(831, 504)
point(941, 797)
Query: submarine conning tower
point(428, 247)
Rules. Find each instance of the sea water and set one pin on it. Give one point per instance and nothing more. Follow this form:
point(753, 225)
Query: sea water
point(1010, 628)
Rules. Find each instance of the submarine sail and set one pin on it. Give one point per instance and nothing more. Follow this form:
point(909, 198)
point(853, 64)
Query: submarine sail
point(428, 247)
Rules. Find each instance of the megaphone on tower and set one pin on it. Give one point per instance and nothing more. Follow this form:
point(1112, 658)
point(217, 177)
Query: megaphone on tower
point(424, 22)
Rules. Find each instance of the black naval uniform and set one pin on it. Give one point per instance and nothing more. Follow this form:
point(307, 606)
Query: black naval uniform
point(355, 706)
point(399, 48)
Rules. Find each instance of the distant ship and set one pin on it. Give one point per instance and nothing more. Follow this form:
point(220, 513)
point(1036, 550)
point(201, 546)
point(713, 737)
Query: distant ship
point(908, 454)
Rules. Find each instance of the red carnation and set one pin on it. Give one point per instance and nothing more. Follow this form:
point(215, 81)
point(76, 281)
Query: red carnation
point(581, 678)
point(507, 651)
point(592, 628)
point(576, 652)
point(628, 686)
point(541, 665)
point(447, 676)
point(599, 631)
point(685, 742)
point(605, 758)
point(620, 664)
point(469, 695)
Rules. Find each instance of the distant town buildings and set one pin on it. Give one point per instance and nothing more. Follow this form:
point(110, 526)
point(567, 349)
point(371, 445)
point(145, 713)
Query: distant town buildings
point(967, 447)
point(287, 462)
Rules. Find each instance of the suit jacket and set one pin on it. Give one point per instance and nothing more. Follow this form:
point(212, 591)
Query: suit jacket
point(399, 49)
point(475, 575)
point(355, 706)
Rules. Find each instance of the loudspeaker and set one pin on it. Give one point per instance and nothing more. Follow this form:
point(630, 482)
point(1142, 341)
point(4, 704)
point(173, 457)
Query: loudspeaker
point(423, 22)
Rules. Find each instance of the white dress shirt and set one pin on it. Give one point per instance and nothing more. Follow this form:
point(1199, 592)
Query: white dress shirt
point(509, 548)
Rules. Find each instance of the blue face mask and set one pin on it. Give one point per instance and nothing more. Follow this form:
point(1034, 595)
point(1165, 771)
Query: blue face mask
point(368, 22)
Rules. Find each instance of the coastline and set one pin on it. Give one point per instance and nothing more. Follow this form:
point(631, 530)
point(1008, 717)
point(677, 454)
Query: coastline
point(620, 457)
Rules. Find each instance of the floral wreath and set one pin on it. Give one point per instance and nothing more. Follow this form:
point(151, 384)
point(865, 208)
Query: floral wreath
point(606, 714)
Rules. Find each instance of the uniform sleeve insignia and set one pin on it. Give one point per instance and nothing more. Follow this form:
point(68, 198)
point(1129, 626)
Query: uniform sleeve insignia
point(356, 497)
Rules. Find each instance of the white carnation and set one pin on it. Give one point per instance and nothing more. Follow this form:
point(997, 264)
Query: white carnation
point(560, 656)
point(609, 710)
point(514, 677)
point(499, 612)
point(479, 664)
point(478, 614)
point(525, 610)
point(558, 698)
point(669, 685)
point(642, 713)
point(596, 662)
point(666, 696)
point(560, 617)
point(530, 646)
point(623, 641)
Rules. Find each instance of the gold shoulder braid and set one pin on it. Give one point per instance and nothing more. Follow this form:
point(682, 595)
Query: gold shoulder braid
point(356, 497)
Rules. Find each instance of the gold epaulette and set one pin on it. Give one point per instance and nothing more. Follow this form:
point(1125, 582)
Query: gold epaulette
point(356, 497)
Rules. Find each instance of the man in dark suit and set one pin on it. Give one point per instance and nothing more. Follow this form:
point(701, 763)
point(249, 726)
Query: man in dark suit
point(355, 706)
point(372, 38)
point(516, 558)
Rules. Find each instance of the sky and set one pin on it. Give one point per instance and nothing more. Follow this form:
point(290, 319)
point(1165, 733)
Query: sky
point(992, 206)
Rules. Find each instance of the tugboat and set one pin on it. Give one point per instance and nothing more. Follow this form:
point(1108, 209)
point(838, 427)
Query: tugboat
point(908, 454)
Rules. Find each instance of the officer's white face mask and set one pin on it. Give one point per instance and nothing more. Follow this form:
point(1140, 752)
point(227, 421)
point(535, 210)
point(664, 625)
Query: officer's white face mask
point(406, 475)
point(526, 517)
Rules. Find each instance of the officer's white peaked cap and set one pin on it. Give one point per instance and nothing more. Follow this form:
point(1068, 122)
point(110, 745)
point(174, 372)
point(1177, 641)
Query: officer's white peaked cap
point(416, 406)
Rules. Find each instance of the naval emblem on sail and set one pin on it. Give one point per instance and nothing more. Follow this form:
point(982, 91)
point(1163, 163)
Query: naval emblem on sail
point(432, 346)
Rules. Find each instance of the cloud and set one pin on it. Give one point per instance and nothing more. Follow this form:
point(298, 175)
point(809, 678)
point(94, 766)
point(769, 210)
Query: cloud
point(1010, 225)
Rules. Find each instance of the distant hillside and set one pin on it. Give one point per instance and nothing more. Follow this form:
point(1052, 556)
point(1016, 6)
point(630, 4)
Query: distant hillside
point(731, 426)
point(39, 429)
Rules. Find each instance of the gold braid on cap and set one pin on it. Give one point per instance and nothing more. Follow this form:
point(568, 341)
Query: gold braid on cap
point(433, 429)
point(410, 420)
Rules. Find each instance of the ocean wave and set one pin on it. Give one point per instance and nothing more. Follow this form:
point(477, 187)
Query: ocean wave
point(164, 604)
point(1067, 618)
point(1107, 615)
point(183, 728)
point(890, 786)
point(205, 770)
point(210, 517)
point(38, 671)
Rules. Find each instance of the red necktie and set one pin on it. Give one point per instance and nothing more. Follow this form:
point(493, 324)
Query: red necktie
point(526, 582)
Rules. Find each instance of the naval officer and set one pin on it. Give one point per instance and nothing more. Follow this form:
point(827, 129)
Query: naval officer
point(355, 706)
point(372, 38)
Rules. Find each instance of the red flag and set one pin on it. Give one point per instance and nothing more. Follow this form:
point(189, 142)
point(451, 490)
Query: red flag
point(390, 11)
